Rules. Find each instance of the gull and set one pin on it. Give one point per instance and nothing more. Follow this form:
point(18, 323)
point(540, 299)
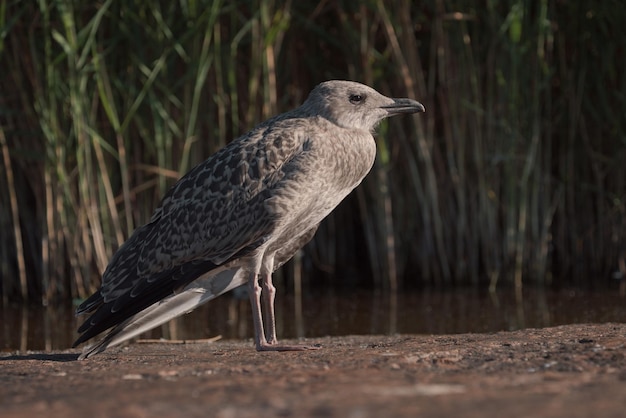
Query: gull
point(238, 216)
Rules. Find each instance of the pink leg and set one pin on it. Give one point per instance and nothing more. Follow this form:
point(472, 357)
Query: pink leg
point(254, 291)
point(263, 341)
point(269, 294)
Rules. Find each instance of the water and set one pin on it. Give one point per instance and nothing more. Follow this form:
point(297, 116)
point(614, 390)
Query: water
point(331, 313)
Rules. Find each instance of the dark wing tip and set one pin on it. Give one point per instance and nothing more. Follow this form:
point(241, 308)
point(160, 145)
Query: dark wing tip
point(152, 290)
point(90, 304)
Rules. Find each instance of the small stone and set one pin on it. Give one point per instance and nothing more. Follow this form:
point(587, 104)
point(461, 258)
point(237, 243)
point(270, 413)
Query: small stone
point(132, 377)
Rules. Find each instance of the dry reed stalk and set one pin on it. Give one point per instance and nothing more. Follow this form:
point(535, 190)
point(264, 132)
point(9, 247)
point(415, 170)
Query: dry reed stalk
point(15, 216)
point(514, 175)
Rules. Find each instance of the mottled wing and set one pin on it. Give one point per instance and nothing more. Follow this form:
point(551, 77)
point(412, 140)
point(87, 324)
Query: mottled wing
point(217, 212)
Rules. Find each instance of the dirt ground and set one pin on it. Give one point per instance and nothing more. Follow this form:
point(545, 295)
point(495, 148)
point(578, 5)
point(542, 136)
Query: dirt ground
point(572, 371)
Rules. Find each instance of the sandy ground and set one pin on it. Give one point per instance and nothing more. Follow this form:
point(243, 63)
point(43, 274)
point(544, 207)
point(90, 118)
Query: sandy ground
point(567, 371)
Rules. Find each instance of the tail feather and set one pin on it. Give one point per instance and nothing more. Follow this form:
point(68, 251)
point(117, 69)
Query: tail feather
point(193, 295)
point(139, 294)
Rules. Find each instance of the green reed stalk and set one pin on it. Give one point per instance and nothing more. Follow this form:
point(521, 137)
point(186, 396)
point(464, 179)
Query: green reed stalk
point(514, 175)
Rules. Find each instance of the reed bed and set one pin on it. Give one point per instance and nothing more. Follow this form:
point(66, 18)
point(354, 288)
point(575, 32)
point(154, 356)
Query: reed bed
point(514, 175)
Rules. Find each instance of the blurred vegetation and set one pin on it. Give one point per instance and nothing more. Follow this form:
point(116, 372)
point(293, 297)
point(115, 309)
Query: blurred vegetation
point(516, 174)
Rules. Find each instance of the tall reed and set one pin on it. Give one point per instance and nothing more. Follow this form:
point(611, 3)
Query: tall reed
point(515, 174)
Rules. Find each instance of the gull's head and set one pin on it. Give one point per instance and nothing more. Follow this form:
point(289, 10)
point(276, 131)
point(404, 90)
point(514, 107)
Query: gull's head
point(354, 105)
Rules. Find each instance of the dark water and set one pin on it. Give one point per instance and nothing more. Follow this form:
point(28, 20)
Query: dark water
point(317, 315)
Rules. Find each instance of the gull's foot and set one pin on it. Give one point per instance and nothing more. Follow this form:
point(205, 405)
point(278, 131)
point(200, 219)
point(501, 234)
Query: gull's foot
point(280, 347)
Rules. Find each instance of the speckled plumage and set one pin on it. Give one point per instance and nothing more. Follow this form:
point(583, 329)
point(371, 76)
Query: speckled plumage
point(242, 213)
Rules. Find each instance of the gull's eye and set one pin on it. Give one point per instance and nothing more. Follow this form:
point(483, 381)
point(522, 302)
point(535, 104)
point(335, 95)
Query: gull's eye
point(357, 98)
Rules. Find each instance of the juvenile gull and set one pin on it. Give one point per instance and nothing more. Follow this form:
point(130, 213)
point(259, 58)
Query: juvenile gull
point(238, 216)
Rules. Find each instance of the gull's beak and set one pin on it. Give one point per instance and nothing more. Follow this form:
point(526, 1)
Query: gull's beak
point(404, 106)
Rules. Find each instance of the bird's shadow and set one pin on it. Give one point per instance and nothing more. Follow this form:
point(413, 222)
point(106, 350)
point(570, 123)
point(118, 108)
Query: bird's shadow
point(58, 357)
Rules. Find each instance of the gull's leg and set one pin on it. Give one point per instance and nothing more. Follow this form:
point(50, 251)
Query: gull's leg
point(266, 339)
point(254, 291)
point(269, 294)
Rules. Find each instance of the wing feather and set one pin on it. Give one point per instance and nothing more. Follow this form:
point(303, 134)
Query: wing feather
point(211, 213)
point(215, 213)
